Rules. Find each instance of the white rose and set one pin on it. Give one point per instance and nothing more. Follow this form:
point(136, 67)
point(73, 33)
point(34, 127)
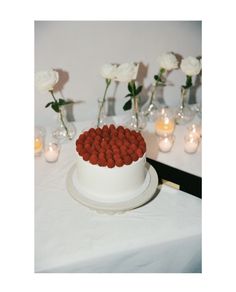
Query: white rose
point(191, 66)
point(168, 61)
point(108, 71)
point(127, 72)
point(46, 80)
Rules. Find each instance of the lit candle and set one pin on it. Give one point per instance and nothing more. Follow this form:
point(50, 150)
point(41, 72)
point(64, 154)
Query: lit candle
point(195, 130)
point(38, 145)
point(165, 143)
point(51, 152)
point(191, 143)
point(165, 124)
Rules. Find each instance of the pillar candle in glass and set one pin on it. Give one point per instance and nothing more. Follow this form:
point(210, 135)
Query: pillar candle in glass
point(165, 143)
point(51, 152)
point(38, 142)
point(195, 129)
point(191, 142)
point(165, 123)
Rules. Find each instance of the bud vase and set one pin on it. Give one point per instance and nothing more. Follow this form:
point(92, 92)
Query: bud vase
point(150, 108)
point(137, 121)
point(184, 112)
point(102, 117)
point(64, 131)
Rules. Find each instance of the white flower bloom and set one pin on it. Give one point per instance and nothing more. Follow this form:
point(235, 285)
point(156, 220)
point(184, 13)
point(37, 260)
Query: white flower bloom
point(126, 72)
point(108, 71)
point(168, 61)
point(46, 80)
point(191, 66)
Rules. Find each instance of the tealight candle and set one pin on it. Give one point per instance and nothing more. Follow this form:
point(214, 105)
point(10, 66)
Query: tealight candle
point(191, 143)
point(165, 123)
point(195, 130)
point(51, 152)
point(38, 146)
point(39, 134)
point(165, 143)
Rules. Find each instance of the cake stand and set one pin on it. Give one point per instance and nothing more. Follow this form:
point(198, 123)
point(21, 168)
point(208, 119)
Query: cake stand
point(118, 207)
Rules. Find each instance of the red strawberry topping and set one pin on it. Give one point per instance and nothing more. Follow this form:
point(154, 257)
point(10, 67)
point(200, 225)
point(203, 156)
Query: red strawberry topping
point(127, 160)
point(110, 163)
point(93, 159)
point(86, 156)
point(110, 146)
point(119, 162)
point(139, 152)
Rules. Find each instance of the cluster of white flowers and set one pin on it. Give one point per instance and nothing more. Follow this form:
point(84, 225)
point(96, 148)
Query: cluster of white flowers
point(46, 80)
point(123, 73)
point(126, 72)
point(191, 66)
point(168, 61)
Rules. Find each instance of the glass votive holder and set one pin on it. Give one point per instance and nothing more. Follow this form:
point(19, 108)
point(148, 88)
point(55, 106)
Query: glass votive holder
point(191, 142)
point(195, 129)
point(38, 142)
point(165, 122)
point(165, 143)
point(51, 152)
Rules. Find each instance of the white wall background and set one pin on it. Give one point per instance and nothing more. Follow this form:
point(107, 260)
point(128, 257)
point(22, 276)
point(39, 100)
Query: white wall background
point(78, 49)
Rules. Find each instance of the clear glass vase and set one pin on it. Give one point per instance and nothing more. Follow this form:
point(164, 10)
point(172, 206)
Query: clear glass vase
point(150, 108)
point(102, 117)
point(64, 131)
point(138, 120)
point(184, 112)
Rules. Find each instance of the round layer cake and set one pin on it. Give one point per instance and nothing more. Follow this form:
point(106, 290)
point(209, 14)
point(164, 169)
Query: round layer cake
point(111, 163)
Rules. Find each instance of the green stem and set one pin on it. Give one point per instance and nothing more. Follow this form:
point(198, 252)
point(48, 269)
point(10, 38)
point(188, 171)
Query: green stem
point(51, 91)
point(108, 82)
point(162, 70)
point(135, 103)
point(153, 92)
point(61, 116)
point(136, 111)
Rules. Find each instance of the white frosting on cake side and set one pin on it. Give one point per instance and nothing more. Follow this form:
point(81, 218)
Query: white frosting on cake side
point(112, 184)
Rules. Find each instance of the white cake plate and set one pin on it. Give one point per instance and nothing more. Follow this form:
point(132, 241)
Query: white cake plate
point(117, 207)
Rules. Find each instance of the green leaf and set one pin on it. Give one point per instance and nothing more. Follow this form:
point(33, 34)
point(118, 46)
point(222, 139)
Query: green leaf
point(108, 81)
point(127, 105)
point(47, 105)
point(188, 82)
point(55, 107)
point(138, 90)
point(162, 71)
point(130, 87)
point(128, 95)
point(61, 101)
point(156, 77)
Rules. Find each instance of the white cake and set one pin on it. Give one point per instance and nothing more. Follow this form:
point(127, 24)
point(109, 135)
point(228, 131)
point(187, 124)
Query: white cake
point(111, 164)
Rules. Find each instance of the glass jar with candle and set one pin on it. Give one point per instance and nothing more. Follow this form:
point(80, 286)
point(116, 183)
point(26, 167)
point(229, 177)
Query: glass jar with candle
point(191, 142)
point(51, 152)
point(165, 143)
point(165, 122)
point(38, 141)
point(195, 129)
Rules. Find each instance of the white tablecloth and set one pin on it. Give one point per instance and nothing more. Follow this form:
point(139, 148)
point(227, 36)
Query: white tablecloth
point(162, 236)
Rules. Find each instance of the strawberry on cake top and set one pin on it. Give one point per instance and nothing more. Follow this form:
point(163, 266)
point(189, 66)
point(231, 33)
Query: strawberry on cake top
point(111, 146)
